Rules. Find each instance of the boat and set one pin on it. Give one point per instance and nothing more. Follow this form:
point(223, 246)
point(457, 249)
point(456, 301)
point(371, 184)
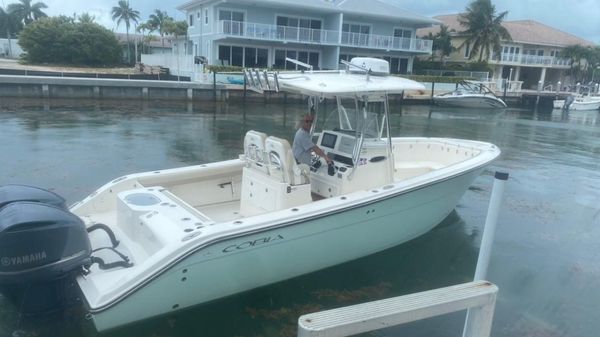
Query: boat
point(469, 94)
point(152, 243)
point(578, 102)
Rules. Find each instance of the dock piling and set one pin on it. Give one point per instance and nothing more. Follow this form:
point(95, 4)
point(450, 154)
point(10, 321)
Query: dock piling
point(487, 240)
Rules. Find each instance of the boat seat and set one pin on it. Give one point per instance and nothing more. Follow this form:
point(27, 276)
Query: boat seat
point(278, 183)
point(254, 150)
point(282, 164)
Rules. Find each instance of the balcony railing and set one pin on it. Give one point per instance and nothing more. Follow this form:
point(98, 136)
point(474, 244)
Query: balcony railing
point(386, 42)
point(261, 31)
point(533, 60)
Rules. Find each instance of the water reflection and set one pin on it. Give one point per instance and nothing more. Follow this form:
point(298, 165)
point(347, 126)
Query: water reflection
point(544, 258)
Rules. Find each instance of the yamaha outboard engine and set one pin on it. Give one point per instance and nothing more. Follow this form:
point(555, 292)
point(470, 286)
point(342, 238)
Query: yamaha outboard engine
point(43, 247)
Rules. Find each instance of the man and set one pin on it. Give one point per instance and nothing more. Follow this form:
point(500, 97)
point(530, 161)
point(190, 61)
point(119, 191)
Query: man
point(303, 144)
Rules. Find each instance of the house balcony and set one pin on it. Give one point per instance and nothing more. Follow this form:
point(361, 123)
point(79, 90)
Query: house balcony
point(386, 42)
point(259, 31)
point(532, 61)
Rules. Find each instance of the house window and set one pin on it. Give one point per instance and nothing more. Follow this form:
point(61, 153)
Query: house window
point(468, 50)
point(191, 23)
point(231, 15)
point(232, 22)
point(299, 28)
point(398, 65)
point(355, 34)
point(311, 58)
point(198, 15)
point(243, 56)
point(404, 36)
point(206, 16)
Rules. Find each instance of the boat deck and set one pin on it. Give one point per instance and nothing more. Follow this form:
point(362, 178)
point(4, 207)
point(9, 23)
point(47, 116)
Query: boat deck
point(222, 212)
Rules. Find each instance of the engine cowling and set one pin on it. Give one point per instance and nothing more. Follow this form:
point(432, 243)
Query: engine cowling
point(43, 247)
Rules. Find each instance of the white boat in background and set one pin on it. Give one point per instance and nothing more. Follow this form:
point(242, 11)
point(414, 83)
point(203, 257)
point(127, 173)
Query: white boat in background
point(171, 239)
point(578, 102)
point(470, 94)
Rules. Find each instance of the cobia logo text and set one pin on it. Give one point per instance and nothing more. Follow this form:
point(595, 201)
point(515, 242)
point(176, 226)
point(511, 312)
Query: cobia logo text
point(252, 243)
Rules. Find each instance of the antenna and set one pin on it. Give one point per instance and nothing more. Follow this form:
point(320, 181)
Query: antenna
point(305, 65)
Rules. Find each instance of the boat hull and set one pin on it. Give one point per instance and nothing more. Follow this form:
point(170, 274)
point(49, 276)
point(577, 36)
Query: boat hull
point(254, 259)
point(578, 105)
point(481, 102)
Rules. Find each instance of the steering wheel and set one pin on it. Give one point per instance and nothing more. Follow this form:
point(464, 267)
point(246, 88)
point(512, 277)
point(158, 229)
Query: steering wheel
point(315, 160)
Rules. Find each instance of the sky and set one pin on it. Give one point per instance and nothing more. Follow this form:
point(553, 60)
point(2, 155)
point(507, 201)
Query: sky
point(580, 17)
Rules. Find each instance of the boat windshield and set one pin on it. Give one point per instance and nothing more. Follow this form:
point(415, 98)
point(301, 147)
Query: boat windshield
point(355, 117)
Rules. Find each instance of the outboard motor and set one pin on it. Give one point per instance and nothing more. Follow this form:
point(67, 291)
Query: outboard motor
point(43, 247)
point(568, 101)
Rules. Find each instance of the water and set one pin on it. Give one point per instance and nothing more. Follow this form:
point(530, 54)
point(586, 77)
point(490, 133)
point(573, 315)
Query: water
point(545, 258)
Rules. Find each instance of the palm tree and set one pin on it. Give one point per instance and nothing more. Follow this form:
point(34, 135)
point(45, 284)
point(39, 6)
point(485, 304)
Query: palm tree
point(159, 22)
point(442, 41)
point(86, 18)
point(126, 14)
point(575, 53)
point(484, 28)
point(26, 11)
point(143, 28)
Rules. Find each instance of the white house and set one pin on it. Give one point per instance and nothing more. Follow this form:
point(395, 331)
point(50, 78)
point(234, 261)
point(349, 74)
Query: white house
point(262, 33)
point(10, 49)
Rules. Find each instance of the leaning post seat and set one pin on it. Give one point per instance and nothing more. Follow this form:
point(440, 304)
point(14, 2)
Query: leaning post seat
point(281, 162)
point(254, 150)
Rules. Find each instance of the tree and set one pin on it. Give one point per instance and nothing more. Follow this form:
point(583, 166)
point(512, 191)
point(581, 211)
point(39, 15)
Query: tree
point(86, 18)
point(146, 29)
point(484, 28)
point(158, 21)
point(61, 40)
point(26, 11)
point(442, 42)
point(124, 13)
point(575, 53)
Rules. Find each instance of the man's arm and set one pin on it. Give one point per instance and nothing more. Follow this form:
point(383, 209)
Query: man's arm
point(320, 153)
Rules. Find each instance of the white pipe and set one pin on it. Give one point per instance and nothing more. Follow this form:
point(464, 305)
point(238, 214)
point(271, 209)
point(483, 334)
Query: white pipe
point(471, 327)
point(489, 229)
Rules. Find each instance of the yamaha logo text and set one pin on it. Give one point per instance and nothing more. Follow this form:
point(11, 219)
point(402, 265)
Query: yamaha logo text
point(9, 261)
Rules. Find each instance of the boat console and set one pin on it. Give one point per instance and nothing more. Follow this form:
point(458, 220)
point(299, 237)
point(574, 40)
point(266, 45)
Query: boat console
point(350, 176)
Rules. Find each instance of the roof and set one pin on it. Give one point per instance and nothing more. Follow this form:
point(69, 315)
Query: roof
point(372, 8)
point(377, 8)
point(154, 42)
point(521, 31)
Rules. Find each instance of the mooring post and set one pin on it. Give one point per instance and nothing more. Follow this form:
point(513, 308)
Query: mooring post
point(145, 94)
point(96, 92)
point(245, 84)
point(215, 85)
point(539, 92)
point(432, 90)
point(505, 88)
point(487, 240)
point(190, 94)
point(46, 90)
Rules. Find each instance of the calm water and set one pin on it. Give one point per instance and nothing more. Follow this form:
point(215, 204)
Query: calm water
point(546, 256)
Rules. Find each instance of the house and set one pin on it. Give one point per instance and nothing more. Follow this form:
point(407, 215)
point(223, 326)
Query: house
point(533, 55)
point(262, 33)
point(10, 48)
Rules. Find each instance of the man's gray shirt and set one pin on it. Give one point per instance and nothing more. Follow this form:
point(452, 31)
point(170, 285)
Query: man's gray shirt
point(302, 146)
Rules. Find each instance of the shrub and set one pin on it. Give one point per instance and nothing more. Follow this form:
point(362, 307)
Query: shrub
point(60, 40)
